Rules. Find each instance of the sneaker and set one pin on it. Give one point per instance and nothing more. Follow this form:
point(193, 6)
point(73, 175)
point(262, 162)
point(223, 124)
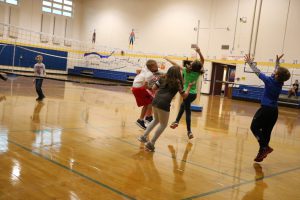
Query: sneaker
point(269, 150)
point(262, 154)
point(174, 125)
point(141, 124)
point(149, 147)
point(149, 119)
point(142, 139)
point(190, 135)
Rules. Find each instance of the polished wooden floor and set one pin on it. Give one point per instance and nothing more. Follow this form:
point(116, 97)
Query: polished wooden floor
point(80, 143)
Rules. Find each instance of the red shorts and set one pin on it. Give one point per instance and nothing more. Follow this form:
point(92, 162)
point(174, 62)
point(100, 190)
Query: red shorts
point(142, 96)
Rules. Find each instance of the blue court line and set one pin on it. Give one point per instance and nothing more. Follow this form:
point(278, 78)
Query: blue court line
point(239, 184)
point(73, 171)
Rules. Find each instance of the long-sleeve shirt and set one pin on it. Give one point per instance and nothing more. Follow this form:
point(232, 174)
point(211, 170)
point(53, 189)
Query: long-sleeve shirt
point(272, 86)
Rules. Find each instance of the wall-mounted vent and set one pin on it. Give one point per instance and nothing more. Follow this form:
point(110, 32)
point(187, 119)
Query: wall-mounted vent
point(225, 47)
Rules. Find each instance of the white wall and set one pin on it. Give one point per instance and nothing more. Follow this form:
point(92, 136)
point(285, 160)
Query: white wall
point(167, 27)
point(28, 15)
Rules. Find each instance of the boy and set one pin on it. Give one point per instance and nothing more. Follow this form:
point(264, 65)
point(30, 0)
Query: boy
point(266, 116)
point(140, 89)
point(39, 72)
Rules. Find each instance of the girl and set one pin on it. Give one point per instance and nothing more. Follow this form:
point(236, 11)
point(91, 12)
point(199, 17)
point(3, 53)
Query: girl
point(191, 73)
point(167, 87)
point(266, 116)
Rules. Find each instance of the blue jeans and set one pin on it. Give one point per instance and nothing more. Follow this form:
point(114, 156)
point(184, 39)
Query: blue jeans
point(38, 88)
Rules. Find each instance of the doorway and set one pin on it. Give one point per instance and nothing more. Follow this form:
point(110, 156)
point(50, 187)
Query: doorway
point(222, 76)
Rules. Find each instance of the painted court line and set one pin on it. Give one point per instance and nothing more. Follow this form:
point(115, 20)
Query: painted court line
point(73, 171)
point(239, 184)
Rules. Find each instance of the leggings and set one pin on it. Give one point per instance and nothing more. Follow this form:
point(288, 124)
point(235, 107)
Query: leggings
point(263, 123)
point(186, 106)
point(161, 117)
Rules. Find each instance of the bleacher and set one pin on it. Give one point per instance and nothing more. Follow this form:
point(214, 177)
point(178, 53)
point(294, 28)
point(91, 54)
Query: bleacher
point(251, 93)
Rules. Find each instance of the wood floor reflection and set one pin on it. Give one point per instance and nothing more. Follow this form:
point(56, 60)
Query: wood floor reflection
point(80, 143)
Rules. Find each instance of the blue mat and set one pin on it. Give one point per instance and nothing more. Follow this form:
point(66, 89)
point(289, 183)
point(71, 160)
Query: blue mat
point(196, 108)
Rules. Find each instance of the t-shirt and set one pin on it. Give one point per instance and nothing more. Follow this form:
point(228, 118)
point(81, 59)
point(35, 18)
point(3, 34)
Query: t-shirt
point(272, 90)
point(39, 70)
point(190, 77)
point(145, 76)
point(165, 94)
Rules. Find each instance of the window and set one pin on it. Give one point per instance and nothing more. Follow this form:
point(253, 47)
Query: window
point(14, 2)
point(58, 7)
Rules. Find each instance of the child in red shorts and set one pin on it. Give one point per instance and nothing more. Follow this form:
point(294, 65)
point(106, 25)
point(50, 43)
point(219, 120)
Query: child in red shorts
point(140, 89)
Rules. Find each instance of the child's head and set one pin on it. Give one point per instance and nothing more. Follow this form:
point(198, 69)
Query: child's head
point(196, 66)
point(282, 74)
point(174, 73)
point(152, 65)
point(296, 81)
point(39, 58)
point(173, 77)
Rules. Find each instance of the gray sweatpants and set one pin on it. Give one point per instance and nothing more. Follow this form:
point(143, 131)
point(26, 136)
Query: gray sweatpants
point(161, 117)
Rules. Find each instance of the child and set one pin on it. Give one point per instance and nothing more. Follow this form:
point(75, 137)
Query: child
point(167, 89)
point(294, 90)
point(191, 73)
point(142, 95)
point(39, 72)
point(266, 117)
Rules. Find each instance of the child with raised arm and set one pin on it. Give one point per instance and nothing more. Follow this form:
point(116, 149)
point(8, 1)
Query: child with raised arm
point(266, 116)
point(191, 73)
point(167, 89)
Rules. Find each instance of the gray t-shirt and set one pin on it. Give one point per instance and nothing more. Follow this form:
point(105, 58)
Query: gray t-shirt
point(165, 94)
point(39, 70)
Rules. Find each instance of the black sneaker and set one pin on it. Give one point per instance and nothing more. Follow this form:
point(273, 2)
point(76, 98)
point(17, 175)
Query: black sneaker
point(149, 119)
point(141, 124)
point(149, 147)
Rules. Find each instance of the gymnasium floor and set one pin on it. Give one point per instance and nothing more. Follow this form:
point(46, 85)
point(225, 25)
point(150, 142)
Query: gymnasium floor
point(80, 143)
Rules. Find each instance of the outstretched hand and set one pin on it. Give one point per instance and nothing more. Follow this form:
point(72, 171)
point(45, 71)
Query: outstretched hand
point(279, 57)
point(248, 58)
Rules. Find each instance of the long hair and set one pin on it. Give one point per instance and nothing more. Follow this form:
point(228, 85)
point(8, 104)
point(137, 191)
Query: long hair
point(173, 78)
point(197, 66)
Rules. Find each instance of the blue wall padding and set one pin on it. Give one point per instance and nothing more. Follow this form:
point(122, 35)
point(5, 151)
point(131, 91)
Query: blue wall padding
point(101, 73)
point(251, 93)
point(26, 58)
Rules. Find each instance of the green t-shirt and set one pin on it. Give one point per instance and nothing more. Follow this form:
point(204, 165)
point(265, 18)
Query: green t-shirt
point(190, 77)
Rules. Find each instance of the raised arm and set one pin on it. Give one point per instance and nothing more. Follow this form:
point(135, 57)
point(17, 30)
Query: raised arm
point(277, 64)
point(172, 62)
point(252, 64)
point(197, 49)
